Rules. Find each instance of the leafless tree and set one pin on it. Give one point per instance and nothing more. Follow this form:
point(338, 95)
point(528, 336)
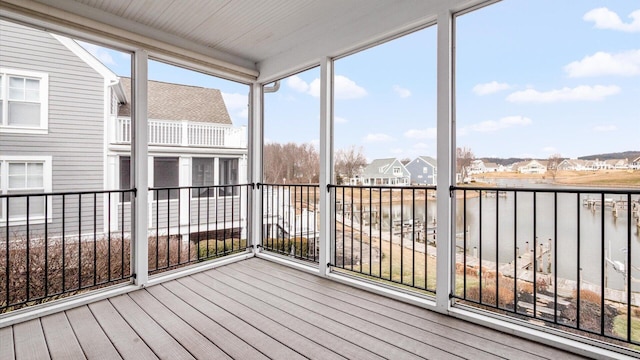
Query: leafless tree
point(291, 163)
point(464, 157)
point(552, 165)
point(349, 162)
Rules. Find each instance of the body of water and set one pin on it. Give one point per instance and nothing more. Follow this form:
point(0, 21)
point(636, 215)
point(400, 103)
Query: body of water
point(504, 223)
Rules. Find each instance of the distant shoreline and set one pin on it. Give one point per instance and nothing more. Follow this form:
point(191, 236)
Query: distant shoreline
point(600, 178)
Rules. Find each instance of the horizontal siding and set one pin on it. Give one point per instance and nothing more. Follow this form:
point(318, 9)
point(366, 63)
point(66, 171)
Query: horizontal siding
point(75, 138)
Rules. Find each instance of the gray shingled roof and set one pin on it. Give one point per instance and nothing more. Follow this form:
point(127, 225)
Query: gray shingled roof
point(168, 101)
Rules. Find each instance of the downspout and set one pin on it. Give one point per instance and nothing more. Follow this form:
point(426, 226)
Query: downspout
point(271, 89)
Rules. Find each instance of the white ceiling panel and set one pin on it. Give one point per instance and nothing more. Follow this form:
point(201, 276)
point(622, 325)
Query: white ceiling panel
point(274, 35)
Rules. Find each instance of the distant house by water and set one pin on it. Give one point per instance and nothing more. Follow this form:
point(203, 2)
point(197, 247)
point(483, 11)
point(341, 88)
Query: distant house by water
point(388, 171)
point(423, 170)
point(532, 167)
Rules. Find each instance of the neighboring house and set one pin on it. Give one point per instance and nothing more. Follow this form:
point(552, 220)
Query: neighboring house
point(192, 142)
point(635, 164)
point(491, 167)
point(65, 126)
point(476, 167)
point(423, 170)
point(617, 164)
point(54, 103)
point(575, 165)
point(532, 167)
point(384, 172)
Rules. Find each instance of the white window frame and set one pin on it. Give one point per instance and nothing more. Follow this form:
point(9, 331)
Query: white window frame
point(397, 170)
point(4, 187)
point(44, 101)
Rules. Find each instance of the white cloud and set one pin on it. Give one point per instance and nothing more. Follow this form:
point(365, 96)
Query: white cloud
point(99, 53)
point(314, 88)
point(429, 133)
point(490, 88)
point(495, 125)
point(605, 128)
point(402, 92)
point(579, 93)
point(237, 104)
point(339, 120)
point(344, 88)
point(549, 149)
point(601, 63)
point(420, 146)
point(607, 19)
point(377, 138)
point(297, 84)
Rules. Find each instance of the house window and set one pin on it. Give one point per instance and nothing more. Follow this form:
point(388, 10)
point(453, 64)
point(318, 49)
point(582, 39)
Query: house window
point(125, 177)
point(166, 174)
point(425, 170)
point(24, 176)
point(397, 171)
point(202, 175)
point(228, 175)
point(23, 101)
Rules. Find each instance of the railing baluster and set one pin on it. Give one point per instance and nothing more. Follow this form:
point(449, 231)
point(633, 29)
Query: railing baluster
point(79, 241)
point(603, 263)
point(95, 232)
point(28, 268)
point(46, 245)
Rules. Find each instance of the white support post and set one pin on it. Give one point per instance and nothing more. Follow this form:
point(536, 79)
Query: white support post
point(139, 171)
point(326, 160)
point(446, 172)
point(255, 161)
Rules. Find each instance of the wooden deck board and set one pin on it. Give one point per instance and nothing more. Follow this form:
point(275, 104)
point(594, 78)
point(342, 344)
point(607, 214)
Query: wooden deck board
point(449, 325)
point(324, 302)
point(392, 332)
point(160, 342)
point(358, 337)
point(307, 340)
point(60, 338)
point(257, 309)
point(123, 337)
point(367, 303)
point(191, 328)
point(29, 341)
point(92, 339)
point(219, 317)
point(6, 342)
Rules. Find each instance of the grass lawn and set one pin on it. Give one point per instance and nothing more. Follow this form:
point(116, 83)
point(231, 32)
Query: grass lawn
point(620, 327)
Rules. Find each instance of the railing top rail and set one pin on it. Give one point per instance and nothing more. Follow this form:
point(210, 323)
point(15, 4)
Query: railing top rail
point(268, 184)
point(230, 126)
point(200, 187)
point(397, 187)
point(69, 193)
point(567, 190)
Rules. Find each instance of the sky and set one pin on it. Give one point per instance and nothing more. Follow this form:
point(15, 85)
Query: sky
point(530, 82)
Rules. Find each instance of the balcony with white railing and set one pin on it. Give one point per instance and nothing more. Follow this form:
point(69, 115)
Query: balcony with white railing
point(184, 133)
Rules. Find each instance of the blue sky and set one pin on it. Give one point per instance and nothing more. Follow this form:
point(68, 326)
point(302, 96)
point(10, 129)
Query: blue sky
point(530, 82)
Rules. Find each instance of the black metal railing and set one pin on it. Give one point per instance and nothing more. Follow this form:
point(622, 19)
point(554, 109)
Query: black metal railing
point(190, 224)
point(569, 257)
point(290, 220)
point(386, 232)
point(57, 244)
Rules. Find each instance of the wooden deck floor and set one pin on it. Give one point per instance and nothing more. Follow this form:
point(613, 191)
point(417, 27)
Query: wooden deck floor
point(255, 309)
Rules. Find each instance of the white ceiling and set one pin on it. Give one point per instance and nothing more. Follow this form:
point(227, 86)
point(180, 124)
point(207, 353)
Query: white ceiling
point(273, 37)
